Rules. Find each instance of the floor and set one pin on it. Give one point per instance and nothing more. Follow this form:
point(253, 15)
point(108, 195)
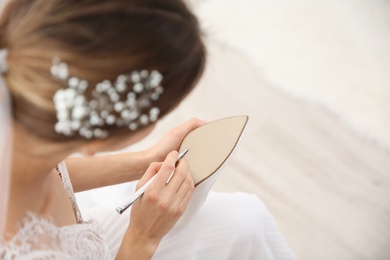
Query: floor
point(328, 188)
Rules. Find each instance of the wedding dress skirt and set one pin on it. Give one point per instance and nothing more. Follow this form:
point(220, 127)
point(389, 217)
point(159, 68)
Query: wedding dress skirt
point(227, 226)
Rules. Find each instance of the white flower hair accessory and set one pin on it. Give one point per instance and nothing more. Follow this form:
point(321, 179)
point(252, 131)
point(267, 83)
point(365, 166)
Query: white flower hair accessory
point(78, 115)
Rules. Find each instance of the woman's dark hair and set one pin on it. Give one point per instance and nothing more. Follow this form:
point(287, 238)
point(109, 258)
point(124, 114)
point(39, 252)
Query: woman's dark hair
point(98, 40)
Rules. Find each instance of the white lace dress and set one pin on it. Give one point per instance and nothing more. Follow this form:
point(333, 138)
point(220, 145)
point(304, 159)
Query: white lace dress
point(228, 226)
point(39, 238)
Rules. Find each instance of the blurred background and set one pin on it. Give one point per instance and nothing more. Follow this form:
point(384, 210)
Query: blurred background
point(314, 78)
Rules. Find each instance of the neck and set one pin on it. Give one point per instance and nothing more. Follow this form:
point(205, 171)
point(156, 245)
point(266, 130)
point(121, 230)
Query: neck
point(34, 158)
point(33, 161)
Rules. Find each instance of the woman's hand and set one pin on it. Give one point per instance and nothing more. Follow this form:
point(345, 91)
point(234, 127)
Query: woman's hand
point(172, 140)
point(160, 207)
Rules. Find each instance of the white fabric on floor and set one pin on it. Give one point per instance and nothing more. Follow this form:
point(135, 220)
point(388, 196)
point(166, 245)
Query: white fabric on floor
point(228, 226)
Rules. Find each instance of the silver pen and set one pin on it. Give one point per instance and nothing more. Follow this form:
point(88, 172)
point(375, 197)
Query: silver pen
point(141, 190)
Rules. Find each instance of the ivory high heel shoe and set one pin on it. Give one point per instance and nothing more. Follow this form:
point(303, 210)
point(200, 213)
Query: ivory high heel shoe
point(210, 146)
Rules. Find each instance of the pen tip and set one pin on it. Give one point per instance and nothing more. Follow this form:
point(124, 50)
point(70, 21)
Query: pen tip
point(181, 155)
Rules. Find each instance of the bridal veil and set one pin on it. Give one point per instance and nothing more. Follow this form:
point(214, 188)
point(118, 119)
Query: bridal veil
point(5, 143)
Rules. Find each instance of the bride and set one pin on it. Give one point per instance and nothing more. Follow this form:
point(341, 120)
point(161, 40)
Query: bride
point(92, 76)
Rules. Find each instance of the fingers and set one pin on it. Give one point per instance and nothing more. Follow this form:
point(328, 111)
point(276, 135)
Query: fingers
point(187, 196)
point(166, 169)
point(180, 174)
point(186, 186)
point(195, 122)
point(162, 204)
point(150, 172)
point(180, 185)
point(182, 130)
point(184, 194)
point(191, 124)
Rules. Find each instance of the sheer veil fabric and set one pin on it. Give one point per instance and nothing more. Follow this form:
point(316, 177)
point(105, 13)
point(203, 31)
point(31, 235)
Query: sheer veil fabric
point(5, 143)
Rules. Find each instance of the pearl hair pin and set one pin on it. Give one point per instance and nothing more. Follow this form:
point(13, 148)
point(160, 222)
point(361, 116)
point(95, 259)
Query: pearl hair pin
point(77, 114)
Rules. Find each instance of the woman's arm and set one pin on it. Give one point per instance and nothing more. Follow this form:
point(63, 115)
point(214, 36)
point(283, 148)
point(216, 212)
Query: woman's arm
point(94, 172)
